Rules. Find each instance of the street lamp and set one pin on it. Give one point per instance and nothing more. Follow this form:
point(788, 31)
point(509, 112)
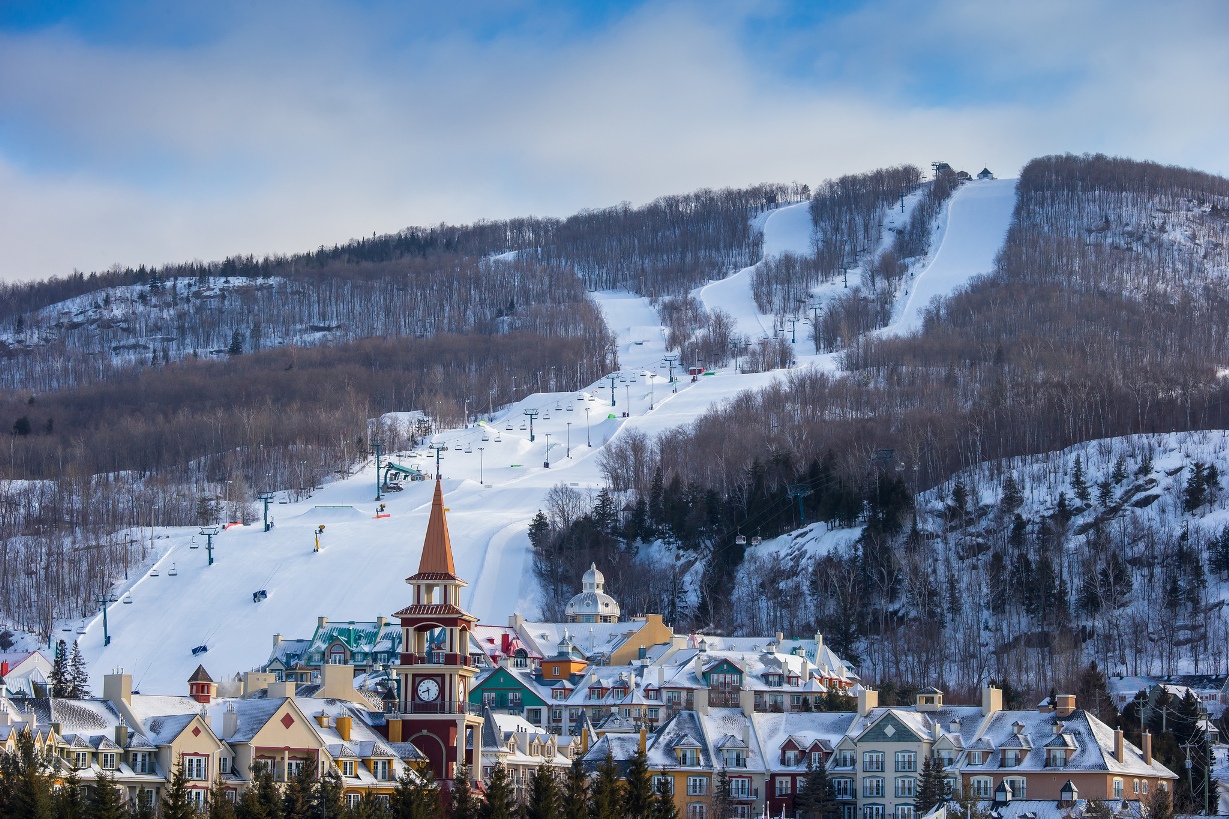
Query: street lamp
point(480, 465)
point(588, 440)
point(569, 439)
point(547, 462)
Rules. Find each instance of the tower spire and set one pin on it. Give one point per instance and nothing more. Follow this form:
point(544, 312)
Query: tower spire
point(437, 547)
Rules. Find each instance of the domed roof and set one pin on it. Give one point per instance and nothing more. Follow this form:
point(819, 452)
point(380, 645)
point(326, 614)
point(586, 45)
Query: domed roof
point(592, 600)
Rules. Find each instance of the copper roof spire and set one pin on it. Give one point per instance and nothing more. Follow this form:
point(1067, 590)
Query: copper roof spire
point(436, 547)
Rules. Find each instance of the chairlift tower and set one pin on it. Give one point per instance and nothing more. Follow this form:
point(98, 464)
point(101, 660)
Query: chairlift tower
point(209, 532)
point(800, 491)
point(613, 378)
point(266, 497)
point(438, 447)
point(376, 447)
point(105, 600)
point(670, 361)
point(531, 413)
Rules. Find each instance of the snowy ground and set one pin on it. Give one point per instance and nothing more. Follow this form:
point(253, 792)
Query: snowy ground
point(359, 572)
point(970, 232)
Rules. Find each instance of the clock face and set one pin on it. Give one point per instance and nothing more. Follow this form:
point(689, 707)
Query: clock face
point(428, 690)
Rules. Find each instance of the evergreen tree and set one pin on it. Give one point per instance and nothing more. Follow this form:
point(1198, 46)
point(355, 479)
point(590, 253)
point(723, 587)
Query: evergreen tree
point(1013, 498)
point(464, 804)
point(1160, 804)
point(69, 801)
point(960, 496)
point(638, 788)
point(1078, 483)
point(1145, 465)
point(539, 532)
point(261, 800)
point(297, 794)
point(722, 806)
point(663, 801)
point(817, 797)
point(175, 804)
point(221, 807)
point(105, 799)
point(1092, 692)
point(416, 797)
point(370, 806)
point(606, 796)
point(236, 344)
point(327, 797)
point(1120, 469)
point(1194, 494)
point(25, 783)
point(1098, 809)
point(60, 678)
point(78, 675)
point(500, 801)
point(544, 798)
point(576, 793)
point(142, 805)
point(931, 788)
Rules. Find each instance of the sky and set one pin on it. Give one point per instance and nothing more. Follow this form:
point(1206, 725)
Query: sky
point(136, 132)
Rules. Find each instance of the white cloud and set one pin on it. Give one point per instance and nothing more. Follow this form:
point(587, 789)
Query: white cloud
point(275, 138)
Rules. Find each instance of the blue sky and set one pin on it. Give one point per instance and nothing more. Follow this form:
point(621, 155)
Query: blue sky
point(141, 132)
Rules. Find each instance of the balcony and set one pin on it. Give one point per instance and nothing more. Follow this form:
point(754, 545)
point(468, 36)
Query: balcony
point(439, 707)
point(436, 658)
point(718, 698)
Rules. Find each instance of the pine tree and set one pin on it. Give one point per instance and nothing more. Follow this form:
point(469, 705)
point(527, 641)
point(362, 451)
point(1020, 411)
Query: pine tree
point(221, 807)
point(1194, 494)
point(539, 532)
point(60, 679)
point(327, 797)
point(606, 793)
point(1013, 498)
point(25, 783)
point(818, 794)
point(69, 801)
point(464, 805)
point(576, 793)
point(236, 344)
point(663, 801)
point(931, 788)
point(78, 675)
point(960, 496)
point(638, 788)
point(416, 797)
point(1160, 804)
point(261, 800)
point(1120, 469)
point(175, 804)
point(544, 799)
point(143, 805)
point(1145, 465)
point(722, 807)
point(500, 801)
point(1078, 482)
point(297, 794)
point(105, 799)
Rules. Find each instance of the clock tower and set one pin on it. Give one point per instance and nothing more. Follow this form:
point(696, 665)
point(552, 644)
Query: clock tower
point(435, 671)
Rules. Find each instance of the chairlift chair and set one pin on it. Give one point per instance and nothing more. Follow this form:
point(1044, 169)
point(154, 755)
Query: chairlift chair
point(523, 425)
point(457, 447)
point(509, 427)
point(546, 416)
point(756, 541)
point(486, 437)
point(81, 628)
point(558, 406)
point(128, 599)
point(469, 449)
point(740, 540)
point(172, 572)
point(498, 438)
point(570, 408)
point(153, 573)
point(192, 544)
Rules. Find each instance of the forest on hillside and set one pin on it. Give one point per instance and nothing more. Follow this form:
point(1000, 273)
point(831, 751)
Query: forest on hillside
point(1106, 315)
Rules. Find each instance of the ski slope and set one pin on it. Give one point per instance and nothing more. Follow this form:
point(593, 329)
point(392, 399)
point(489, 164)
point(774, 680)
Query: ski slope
point(971, 232)
point(492, 493)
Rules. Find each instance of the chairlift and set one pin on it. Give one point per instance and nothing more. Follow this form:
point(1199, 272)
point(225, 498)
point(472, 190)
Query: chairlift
point(153, 573)
point(81, 628)
point(486, 437)
point(546, 416)
point(523, 425)
point(756, 541)
point(558, 406)
point(457, 447)
point(192, 544)
point(570, 408)
point(172, 572)
point(68, 629)
point(498, 438)
point(469, 449)
point(740, 540)
point(509, 427)
point(128, 599)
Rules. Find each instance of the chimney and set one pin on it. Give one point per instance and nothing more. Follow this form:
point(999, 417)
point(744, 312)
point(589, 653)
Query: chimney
point(819, 645)
point(699, 665)
point(121, 734)
point(780, 638)
point(746, 701)
point(343, 727)
point(642, 653)
point(584, 740)
point(701, 700)
point(1119, 747)
point(1146, 742)
point(321, 622)
point(1064, 704)
point(117, 687)
point(394, 730)
point(644, 739)
point(281, 690)
point(868, 698)
point(230, 722)
point(991, 700)
point(380, 621)
point(4, 668)
point(322, 719)
point(277, 640)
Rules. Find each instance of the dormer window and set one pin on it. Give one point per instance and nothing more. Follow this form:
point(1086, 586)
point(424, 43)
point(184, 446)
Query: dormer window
point(734, 758)
point(977, 757)
point(1056, 758)
point(789, 758)
point(1011, 757)
point(689, 757)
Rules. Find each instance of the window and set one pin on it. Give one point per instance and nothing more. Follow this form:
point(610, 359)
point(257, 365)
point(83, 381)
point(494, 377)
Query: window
point(1135, 786)
point(1011, 758)
point(789, 758)
point(1144, 786)
point(740, 788)
point(514, 699)
point(1057, 758)
point(689, 757)
point(982, 786)
point(196, 797)
point(559, 694)
point(488, 697)
point(653, 712)
point(695, 810)
point(816, 759)
point(697, 785)
point(849, 811)
point(534, 715)
point(663, 781)
point(107, 761)
point(872, 812)
point(906, 761)
point(741, 812)
point(735, 759)
point(337, 656)
point(673, 697)
point(81, 760)
point(785, 785)
point(872, 786)
point(905, 786)
point(556, 715)
point(1117, 788)
point(724, 680)
point(352, 800)
point(796, 699)
point(141, 763)
point(844, 759)
point(872, 761)
point(843, 788)
point(223, 764)
point(945, 758)
point(1018, 785)
point(194, 767)
point(379, 769)
point(347, 767)
point(977, 757)
point(904, 812)
point(266, 764)
point(294, 768)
